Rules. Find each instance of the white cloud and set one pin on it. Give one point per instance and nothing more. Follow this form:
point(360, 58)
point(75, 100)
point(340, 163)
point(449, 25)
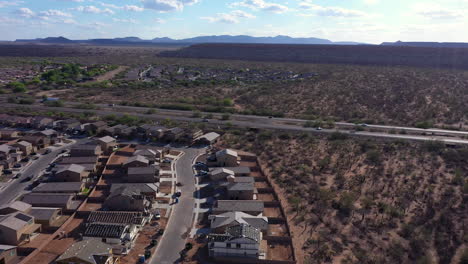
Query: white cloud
point(129, 21)
point(370, 2)
point(331, 11)
point(163, 5)
point(262, 5)
point(159, 21)
point(93, 10)
point(24, 12)
point(228, 18)
point(54, 13)
point(10, 3)
point(436, 11)
point(133, 8)
point(69, 21)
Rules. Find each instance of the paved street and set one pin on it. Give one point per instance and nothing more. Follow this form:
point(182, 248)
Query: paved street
point(179, 226)
point(273, 123)
point(16, 187)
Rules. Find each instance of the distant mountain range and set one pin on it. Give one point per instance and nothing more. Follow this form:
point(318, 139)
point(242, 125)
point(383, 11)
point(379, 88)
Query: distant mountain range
point(195, 40)
point(241, 39)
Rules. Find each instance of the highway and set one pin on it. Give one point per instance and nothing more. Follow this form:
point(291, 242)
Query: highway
point(248, 121)
point(15, 188)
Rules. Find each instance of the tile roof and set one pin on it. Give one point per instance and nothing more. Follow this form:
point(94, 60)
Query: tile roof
point(140, 187)
point(72, 167)
point(116, 217)
point(105, 230)
point(137, 158)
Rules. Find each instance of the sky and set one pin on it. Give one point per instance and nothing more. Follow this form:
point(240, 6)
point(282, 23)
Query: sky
point(369, 21)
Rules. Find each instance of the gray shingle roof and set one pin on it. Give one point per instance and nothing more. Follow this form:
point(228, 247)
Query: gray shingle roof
point(86, 250)
point(116, 217)
point(259, 222)
point(141, 187)
point(240, 186)
point(239, 205)
point(237, 231)
point(66, 187)
point(72, 167)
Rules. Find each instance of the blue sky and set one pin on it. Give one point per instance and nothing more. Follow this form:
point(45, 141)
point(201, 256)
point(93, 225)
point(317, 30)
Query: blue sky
point(371, 21)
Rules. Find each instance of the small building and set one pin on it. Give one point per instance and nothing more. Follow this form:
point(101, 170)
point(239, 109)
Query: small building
point(17, 227)
point(119, 236)
point(16, 206)
point(219, 174)
point(218, 223)
point(40, 122)
point(152, 155)
point(97, 127)
point(136, 161)
point(240, 190)
point(240, 171)
point(227, 158)
point(107, 143)
point(88, 251)
point(239, 241)
point(45, 216)
point(55, 200)
point(25, 147)
point(191, 134)
point(126, 199)
point(7, 254)
point(151, 131)
point(142, 175)
point(247, 206)
point(85, 150)
point(59, 187)
point(71, 173)
point(9, 134)
point(6, 151)
point(208, 139)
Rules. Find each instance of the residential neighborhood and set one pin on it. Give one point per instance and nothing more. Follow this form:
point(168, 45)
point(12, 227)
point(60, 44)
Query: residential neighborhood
point(104, 197)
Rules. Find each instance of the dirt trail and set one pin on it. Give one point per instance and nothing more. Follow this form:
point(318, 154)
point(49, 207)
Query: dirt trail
point(109, 75)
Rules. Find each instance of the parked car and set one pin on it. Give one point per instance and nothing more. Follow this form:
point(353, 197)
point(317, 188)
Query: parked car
point(7, 171)
point(17, 176)
point(167, 161)
point(27, 179)
point(35, 157)
point(47, 151)
point(25, 159)
point(318, 128)
point(17, 165)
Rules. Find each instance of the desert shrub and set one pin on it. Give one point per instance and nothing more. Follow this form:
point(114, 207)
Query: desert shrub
point(434, 146)
point(464, 257)
point(373, 157)
point(57, 103)
point(424, 124)
point(226, 117)
point(337, 136)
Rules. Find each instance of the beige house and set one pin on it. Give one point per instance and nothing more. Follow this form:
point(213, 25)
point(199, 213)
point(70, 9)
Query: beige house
point(107, 143)
point(25, 147)
point(71, 173)
point(141, 175)
point(227, 158)
point(126, 199)
point(220, 174)
point(16, 206)
point(17, 227)
point(85, 150)
point(239, 241)
point(7, 254)
point(218, 223)
point(136, 161)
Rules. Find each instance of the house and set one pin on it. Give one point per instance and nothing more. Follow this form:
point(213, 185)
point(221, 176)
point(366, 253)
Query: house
point(240, 171)
point(120, 236)
point(227, 158)
point(45, 216)
point(55, 200)
point(152, 155)
point(6, 151)
point(141, 174)
point(136, 161)
point(40, 122)
point(53, 135)
point(85, 150)
point(147, 189)
point(68, 124)
point(247, 206)
point(9, 134)
point(89, 163)
point(119, 217)
point(239, 241)
point(207, 139)
point(191, 134)
point(152, 131)
point(71, 173)
point(126, 199)
point(97, 127)
point(7, 254)
point(240, 190)
point(173, 134)
point(59, 187)
point(88, 251)
point(38, 142)
point(219, 174)
point(25, 147)
point(17, 227)
point(16, 206)
point(107, 143)
point(218, 223)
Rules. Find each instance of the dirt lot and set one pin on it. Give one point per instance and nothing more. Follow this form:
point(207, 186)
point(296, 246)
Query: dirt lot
point(279, 251)
point(266, 197)
point(272, 212)
point(277, 230)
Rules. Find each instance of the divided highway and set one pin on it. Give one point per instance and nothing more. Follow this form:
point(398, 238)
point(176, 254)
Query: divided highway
point(248, 121)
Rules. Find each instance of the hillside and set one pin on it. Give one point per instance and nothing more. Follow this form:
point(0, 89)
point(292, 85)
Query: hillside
point(359, 201)
point(453, 58)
